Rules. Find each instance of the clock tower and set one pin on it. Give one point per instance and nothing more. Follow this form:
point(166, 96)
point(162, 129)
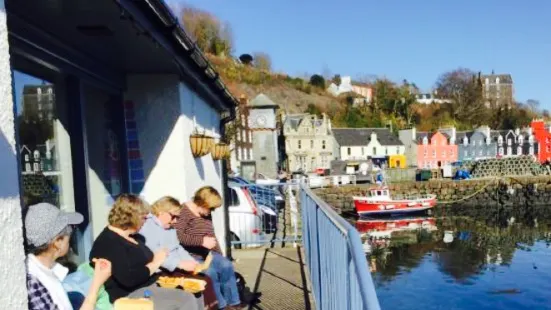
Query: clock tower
point(262, 121)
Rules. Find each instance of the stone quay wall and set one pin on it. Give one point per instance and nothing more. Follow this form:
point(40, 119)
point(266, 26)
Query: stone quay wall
point(501, 191)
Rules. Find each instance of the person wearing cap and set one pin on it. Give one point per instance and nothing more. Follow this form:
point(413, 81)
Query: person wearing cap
point(47, 232)
point(135, 268)
point(196, 233)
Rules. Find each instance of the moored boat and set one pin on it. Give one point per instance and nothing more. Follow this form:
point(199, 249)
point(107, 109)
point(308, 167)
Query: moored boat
point(379, 201)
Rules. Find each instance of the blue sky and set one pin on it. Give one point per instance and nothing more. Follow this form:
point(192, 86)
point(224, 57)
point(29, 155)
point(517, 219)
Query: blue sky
point(415, 40)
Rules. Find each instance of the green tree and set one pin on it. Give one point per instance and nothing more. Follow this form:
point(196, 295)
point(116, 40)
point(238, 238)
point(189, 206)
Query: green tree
point(313, 109)
point(317, 80)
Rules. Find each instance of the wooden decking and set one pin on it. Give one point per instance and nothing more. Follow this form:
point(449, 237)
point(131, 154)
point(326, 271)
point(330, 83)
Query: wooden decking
point(278, 275)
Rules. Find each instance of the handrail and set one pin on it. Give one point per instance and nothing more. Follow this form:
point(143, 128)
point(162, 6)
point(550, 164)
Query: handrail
point(364, 282)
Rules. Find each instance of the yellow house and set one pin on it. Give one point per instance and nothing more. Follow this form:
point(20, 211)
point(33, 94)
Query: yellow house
point(397, 161)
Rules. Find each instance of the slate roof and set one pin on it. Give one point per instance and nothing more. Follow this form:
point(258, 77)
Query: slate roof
point(294, 120)
point(503, 78)
point(361, 136)
point(262, 101)
point(420, 135)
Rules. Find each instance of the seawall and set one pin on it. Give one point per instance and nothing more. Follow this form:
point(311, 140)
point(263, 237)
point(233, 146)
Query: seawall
point(502, 192)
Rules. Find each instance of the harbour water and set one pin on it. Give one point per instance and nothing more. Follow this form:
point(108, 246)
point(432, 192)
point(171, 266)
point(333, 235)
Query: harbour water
point(491, 261)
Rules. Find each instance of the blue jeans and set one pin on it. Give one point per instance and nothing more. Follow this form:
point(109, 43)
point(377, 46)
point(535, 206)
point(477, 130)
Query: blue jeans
point(223, 277)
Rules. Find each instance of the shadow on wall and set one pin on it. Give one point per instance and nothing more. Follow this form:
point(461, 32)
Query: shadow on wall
point(200, 168)
point(8, 165)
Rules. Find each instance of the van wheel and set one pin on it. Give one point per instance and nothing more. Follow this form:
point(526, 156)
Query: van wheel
point(235, 238)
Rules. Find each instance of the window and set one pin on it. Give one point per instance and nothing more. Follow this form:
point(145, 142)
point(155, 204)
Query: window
point(509, 150)
point(250, 136)
point(323, 144)
point(374, 151)
point(349, 150)
point(500, 151)
point(519, 150)
point(239, 154)
point(386, 150)
point(397, 150)
point(500, 140)
point(299, 144)
point(234, 199)
point(444, 153)
point(509, 141)
point(311, 144)
point(363, 151)
point(40, 148)
point(481, 152)
point(466, 153)
point(425, 151)
point(434, 153)
point(451, 153)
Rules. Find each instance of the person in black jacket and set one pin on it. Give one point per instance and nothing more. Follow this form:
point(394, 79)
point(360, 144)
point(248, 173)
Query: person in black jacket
point(134, 267)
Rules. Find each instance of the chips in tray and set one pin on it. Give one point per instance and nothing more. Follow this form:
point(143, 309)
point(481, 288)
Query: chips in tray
point(189, 285)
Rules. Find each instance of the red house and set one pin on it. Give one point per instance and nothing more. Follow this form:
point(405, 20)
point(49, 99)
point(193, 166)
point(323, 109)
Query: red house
point(543, 136)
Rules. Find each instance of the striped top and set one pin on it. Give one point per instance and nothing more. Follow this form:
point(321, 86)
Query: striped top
point(191, 229)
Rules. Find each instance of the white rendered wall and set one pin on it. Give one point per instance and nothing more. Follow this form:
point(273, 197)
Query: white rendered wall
point(12, 256)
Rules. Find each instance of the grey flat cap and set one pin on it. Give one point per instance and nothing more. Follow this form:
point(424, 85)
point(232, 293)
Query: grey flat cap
point(44, 221)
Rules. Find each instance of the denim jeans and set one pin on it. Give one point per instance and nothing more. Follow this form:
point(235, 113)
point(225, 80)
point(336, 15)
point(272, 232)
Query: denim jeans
point(223, 277)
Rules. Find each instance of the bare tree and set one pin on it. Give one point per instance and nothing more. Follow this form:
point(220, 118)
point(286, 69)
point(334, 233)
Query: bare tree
point(262, 61)
point(465, 90)
point(533, 105)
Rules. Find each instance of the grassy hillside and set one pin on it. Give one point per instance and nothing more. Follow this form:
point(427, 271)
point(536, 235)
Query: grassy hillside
point(293, 95)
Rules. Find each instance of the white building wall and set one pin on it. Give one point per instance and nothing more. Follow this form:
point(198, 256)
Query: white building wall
point(12, 256)
point(167, 113)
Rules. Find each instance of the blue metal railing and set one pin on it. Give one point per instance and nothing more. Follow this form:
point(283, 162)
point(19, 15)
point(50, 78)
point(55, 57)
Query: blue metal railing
point(335, 258)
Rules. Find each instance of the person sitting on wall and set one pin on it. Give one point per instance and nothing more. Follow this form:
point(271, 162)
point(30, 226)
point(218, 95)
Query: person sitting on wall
point(159, 233)
point(134, 266)
point(47, 232)
point(196, 233)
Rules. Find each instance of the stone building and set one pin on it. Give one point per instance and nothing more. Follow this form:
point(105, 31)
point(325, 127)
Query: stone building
point(242, 141)
point(497, 90)
point(309, 142)
point(263, 123)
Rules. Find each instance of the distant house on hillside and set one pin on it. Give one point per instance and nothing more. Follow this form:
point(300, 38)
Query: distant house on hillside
point(497, 90)
point(346, 86)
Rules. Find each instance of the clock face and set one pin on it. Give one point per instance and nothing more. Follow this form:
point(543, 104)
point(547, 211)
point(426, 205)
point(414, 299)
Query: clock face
point(261, 120)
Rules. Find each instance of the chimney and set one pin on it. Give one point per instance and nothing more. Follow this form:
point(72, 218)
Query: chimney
point(243, 99)
point(373, 136)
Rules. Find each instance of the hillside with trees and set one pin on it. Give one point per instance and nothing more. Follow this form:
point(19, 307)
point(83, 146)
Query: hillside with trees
point(394, 103)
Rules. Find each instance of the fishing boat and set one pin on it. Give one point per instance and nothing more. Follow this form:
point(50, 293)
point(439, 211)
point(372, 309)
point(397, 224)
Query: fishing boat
point(380, 201)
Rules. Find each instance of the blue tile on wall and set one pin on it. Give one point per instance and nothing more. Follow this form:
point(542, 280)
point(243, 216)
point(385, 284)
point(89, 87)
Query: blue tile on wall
point(130, 125)
point(136, 175)
point(135, 164)
point(137, 187)
point(132, 135)
point(133, 144)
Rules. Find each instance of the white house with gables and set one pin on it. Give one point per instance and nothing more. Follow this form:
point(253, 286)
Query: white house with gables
point(365, 143)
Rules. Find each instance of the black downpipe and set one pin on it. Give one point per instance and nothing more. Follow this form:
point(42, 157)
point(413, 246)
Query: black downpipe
point(225, 187)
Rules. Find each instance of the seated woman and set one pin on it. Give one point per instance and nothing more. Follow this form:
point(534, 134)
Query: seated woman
point(47, 232)
point(196, 234)
point(134, 266)
point(159, 233)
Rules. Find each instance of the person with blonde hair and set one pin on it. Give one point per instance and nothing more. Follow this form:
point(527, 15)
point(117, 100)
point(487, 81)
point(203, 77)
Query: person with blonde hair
point(134, 266)
point(158, 233)
point(196, 233)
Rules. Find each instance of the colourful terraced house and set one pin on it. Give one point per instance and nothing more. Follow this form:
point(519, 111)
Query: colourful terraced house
point(429, 150)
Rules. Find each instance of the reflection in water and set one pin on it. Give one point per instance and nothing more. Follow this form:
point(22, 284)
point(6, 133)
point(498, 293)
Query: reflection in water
point(443, 258)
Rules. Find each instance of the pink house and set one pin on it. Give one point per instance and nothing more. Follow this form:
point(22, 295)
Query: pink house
point(435, 150)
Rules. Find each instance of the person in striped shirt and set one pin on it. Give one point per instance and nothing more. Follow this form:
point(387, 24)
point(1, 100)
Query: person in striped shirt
point(196, 234)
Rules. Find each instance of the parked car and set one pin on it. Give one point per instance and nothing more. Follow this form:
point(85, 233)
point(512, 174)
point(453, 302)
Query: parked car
point(249, 221)
point(263, 195)
point(264, 180)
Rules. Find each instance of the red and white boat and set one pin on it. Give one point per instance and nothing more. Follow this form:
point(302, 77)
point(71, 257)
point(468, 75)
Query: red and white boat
point(379, 201)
